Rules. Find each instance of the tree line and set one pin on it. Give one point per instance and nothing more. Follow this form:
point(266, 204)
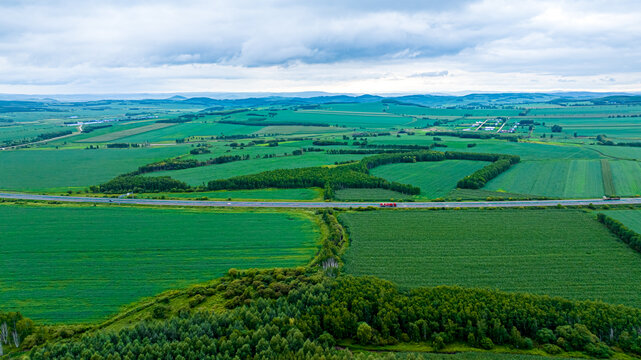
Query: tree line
point(625, 234)
point(295, 314)
point(140, 184)
point(40, 137)
point(351, 175)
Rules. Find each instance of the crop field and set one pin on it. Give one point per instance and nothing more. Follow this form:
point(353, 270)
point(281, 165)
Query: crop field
point(435, 179)
point(552, 178)
point(259, 194)
point(47, 169)
point(110, 136)
point(299, 130)
point(191, 129)
point(370, 195)
point(555, 252)
point(526, 150)
point(630, 218)
point(346, 118)
point(80, 264)
point(19, 131)
point(627, 177)
point(203, 174)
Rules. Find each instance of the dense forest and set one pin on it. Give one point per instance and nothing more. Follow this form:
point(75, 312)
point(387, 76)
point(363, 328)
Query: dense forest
point(290, 314)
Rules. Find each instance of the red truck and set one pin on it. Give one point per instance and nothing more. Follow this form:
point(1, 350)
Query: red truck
point(388, 205)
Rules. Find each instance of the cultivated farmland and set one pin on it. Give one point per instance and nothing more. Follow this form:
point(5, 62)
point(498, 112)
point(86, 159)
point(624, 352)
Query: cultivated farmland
point(435, 179)
point(558, 178)
point(556, 252)
point(78, 264)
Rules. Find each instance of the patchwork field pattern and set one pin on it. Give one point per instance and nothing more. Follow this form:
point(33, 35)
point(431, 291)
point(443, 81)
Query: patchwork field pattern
point(80, 264)
point(556, 252)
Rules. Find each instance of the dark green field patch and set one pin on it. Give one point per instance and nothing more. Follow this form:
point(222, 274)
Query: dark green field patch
point(556, 252)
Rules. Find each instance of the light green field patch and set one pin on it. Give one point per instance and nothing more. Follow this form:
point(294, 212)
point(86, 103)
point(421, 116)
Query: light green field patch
point(124, 133)
point(259, 194)
point(293, 130)
point(435, 179)
point(35, 170)
point(370, 195)
point(629, 218)
point(627, 177)
point(552, 178)
point(79, 264)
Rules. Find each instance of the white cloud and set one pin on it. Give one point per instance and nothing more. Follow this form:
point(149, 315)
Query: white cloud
point(285, 45)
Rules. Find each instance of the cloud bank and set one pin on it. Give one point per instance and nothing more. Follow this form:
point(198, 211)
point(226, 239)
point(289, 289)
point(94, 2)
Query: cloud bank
point(68, 46)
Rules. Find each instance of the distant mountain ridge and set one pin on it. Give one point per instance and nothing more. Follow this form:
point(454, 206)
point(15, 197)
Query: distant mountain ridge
point(429, 100)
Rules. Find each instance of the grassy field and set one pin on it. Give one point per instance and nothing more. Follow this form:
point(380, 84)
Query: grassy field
point(259, 194)
point(200, 175)
point(36, 170)
point(608, 182)
point(556, 252)
point(436, 179)
point(626, 176)
point(80, 264)
point(630, 218)
point(115, 135)
point(192, 129)
point(552, 178)
point(370, 195)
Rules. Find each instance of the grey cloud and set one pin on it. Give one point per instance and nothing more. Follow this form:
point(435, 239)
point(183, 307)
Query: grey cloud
point(326, 40)
point(431, 74)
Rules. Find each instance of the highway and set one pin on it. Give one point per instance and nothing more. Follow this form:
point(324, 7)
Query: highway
point(295, 204)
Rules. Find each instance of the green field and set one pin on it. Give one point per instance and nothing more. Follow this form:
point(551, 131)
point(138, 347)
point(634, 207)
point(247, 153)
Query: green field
point(561, 179)
point(191, 129)
point(35, 170)
point(556, 252)
point(203, 174)
point(80, 264)
point(630, 218)
point(115, 135)
point(370, 195)
point(259, 194)
point(627, 177)
point(436, 179)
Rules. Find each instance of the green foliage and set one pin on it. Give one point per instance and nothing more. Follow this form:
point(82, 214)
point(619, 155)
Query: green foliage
point(304, 322)
point(621, 231)
point(363, 333)
point(138, 184)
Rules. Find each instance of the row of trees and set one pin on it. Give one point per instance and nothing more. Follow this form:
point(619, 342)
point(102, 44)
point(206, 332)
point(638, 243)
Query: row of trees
point(337, 178)
point(352, 175)
point(356, 175)
point(313, 314)
point(603, 140)
point(40, 137)
point(179, 164)
point(621, 231)
point(328, 142)
point(139, 184)
point(473, 135)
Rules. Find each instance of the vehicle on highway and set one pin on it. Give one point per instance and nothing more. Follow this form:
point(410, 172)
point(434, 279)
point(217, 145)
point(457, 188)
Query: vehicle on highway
point(387, 205)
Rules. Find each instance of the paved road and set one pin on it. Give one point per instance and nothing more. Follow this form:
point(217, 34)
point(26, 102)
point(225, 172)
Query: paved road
point(293, 204)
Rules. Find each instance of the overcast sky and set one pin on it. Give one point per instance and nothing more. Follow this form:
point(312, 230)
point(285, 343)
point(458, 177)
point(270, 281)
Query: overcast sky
point(428, 46)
